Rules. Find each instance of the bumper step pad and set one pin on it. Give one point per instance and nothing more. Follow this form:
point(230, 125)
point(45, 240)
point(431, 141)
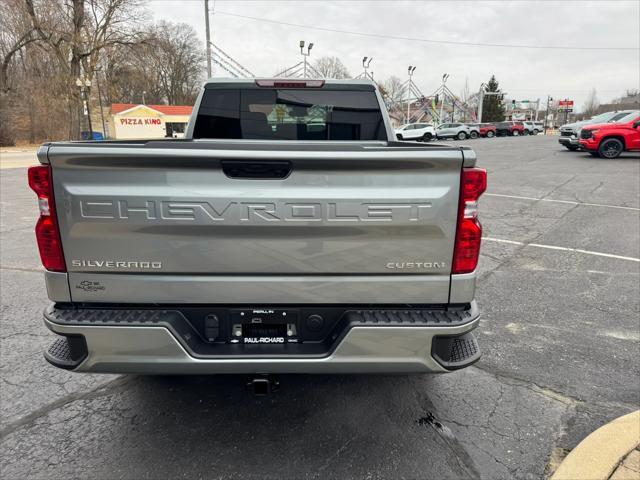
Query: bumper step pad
point(67, 352)
point(456, 352)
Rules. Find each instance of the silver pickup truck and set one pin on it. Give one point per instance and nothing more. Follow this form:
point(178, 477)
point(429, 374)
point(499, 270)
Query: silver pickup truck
point(287, 232)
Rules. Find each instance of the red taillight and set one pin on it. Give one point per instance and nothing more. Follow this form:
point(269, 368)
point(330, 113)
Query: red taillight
point(469, 233)
point(47, 233)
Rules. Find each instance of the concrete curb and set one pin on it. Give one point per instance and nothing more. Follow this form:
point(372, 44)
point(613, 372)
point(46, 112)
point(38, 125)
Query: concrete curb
point(599, 454)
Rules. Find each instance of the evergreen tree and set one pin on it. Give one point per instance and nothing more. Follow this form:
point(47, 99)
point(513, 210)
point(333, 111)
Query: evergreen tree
point(492, 106)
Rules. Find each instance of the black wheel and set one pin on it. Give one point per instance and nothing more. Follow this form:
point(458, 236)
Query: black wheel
point(516, 133)
point(473, 134)
point(610, 148)
point(461, 136)
point(571, 147)
point(427, 137)
point(535, 132)
point(490, 134)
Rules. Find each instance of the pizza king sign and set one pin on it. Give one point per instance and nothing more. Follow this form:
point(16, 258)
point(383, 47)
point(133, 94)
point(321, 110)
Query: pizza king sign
point(140, 121)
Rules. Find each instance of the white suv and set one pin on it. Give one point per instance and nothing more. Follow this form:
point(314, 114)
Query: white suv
point(531, 128)
point(421, 132)
point(459, 131)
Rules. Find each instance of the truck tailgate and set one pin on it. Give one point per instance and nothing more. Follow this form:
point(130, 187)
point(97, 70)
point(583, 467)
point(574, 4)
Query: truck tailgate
point(198, 222)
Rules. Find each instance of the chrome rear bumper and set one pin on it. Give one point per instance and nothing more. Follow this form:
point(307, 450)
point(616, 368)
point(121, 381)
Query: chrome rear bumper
point(159, 349)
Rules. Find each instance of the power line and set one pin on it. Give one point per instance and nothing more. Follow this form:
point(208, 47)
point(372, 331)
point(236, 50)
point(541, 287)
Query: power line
point(414, 39)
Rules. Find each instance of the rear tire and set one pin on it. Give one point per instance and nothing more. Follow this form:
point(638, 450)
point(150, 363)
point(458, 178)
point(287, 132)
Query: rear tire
point(427, 137)
point(610, 148)
point(473, 135)
point(515, 133)
point(535, 132)
point(461, 136)
point(490, 134)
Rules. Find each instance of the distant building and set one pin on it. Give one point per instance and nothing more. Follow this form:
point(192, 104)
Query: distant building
point(129, 121)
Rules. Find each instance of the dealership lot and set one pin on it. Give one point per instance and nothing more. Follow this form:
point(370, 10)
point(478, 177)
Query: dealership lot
point(560, 293)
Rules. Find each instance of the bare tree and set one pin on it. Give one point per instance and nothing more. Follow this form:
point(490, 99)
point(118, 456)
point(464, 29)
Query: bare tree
point(169, 68)
point(331, 67)
point(177, 62)
point(591, 104)
point(393, 89)
point(77, 31)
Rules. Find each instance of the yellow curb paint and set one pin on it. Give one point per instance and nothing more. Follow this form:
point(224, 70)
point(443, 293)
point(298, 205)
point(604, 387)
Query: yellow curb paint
point(598, 455)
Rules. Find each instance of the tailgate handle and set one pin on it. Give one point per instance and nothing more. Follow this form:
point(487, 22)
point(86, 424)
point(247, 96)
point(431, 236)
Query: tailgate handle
point(255, 169)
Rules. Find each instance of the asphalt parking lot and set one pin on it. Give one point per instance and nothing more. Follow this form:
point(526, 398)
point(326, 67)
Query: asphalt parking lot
point(559, 288)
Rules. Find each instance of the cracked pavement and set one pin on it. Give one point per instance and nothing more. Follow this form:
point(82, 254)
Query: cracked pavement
point(560, 336)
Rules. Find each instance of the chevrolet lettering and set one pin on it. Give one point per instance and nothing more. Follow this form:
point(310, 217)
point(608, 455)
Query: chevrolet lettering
point(258, 211)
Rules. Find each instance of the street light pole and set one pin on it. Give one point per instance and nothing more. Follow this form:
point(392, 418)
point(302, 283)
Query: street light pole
point(87, 94)
point(546, 114)
point(305, 55)
point(365, 65)
point(480, 102)
point(85, 102)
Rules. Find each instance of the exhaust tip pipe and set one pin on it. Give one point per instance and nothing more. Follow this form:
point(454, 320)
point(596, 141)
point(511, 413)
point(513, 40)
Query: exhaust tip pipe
point(263, 385)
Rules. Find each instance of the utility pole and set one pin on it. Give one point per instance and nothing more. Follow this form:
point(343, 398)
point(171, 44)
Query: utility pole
point(104, 128)
point(566, 109)
point(208, 37)
point(409, 85)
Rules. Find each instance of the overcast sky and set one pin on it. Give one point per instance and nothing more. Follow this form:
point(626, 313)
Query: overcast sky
point(524, 73)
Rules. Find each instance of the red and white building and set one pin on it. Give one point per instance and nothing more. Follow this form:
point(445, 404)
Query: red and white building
point(131, 121)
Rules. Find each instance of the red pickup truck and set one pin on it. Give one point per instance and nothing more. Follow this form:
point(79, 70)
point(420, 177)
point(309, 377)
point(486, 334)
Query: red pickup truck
point(609, 140)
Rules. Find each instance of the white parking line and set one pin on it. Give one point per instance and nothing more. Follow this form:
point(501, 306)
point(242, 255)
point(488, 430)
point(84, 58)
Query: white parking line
point(569, 202)
point(564, 249)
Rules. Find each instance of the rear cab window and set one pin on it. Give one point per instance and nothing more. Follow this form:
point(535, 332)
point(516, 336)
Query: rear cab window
point(289, 114)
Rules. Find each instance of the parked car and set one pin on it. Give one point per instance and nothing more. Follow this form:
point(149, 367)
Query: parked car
point(609, 140)
point(474, 129)
point(416, 131)
point(482, 130)
point(530, 128)
point(459, 131)
point(539, 126)
point(487, 130)
point(570, 132)
point(184, 256)
point(510, 128)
